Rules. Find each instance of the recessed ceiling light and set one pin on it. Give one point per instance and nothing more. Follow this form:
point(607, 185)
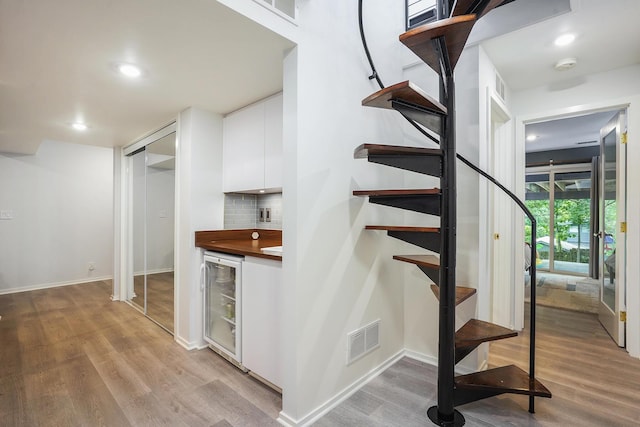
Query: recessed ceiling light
point(130, 70)
point(79, 126)
point(564, 40)
point(532, 137)
point(261, 191)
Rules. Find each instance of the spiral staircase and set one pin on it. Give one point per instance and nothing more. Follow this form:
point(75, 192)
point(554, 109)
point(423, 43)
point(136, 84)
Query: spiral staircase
point(439, 44)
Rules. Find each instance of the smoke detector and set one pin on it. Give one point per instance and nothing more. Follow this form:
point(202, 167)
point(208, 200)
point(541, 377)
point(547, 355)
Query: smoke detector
point(565, 64)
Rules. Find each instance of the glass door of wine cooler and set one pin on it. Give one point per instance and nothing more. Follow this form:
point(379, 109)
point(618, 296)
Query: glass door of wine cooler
point(222, 293)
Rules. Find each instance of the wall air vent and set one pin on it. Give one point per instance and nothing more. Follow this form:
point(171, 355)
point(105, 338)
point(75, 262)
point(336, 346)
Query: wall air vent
point(363, 341)
point(500, 87)
point(420, 12)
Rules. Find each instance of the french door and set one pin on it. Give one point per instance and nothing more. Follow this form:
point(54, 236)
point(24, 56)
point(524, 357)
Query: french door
point(611, 236)
point(560, 199)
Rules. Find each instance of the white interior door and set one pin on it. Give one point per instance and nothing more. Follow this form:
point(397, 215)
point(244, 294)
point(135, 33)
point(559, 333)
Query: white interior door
point(502, 211)
point(612, 229)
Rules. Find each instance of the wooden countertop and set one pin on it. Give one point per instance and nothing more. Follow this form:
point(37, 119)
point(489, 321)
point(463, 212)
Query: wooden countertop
point(240, 242)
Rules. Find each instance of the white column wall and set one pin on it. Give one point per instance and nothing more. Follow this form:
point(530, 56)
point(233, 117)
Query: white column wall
point(61, 202)
point(593, 92)
point(337, 276)
point(199, 206)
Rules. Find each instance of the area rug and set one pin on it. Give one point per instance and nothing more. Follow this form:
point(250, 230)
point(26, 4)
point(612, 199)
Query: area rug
point(566, 292)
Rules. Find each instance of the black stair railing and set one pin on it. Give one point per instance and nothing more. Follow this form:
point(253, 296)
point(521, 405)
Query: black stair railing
point(447, 293)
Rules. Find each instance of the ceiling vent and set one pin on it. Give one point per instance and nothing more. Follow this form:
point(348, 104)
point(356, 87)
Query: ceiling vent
point(363, 341)
point(565, 64)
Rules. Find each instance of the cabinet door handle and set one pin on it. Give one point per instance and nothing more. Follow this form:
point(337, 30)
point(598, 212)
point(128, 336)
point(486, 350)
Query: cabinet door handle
point(202, 276)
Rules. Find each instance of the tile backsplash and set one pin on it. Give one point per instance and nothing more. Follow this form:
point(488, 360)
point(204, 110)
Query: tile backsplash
point(243, 210)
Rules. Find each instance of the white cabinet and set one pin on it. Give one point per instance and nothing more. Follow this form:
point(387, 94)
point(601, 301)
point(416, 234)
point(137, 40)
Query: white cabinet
point(273, 142)
point(261, 316)
point(252, 147)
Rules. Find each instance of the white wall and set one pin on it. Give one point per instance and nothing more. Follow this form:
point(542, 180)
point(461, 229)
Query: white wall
point(199, 206)
point(337, 276)
point(616, 88)
point(61, 199)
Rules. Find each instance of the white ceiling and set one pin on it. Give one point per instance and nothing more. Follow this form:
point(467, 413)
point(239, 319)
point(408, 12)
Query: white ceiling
point(57, 59)
point(607, 37)
point(574, 132)
point(57, 66)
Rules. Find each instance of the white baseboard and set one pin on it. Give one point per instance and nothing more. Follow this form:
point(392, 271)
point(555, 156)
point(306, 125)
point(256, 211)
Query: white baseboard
point(421, 357)
point(190, 345)
point(156, 271)
point(313, 416)
point(433, 360)
point(53, 285)
point(286, 420)
point(341, 396)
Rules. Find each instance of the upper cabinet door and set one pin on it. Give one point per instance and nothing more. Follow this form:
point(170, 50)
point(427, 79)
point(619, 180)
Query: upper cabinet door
point(252, 147)
point(273, 142)
point(243, 149)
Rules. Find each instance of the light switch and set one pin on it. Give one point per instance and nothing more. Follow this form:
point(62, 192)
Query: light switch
point(267, 214)
point(261, 214)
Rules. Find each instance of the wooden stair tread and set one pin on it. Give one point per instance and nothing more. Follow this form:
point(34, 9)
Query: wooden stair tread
point(364, 150)
point(394, 193)
point(462, 293)
point(427, 161)
point(404, 91)
point(430, 261)
point(455, 32)
point(464, 7)
point(508, 379)
point(403, 228)
point(475, 332)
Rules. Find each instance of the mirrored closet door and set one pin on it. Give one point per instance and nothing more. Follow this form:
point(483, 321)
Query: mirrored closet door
point(151, 220)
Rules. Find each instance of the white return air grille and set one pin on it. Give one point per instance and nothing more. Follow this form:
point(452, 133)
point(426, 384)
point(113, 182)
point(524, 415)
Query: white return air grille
point(363, 341)
point(500, 87)
point(420, 12)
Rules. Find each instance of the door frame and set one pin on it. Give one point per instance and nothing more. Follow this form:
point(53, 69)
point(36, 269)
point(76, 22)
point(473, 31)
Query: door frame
point(123, 256)
point(501, 211)
point(633, 236)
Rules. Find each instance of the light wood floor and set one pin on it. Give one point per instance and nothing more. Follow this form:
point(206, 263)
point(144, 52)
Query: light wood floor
point(594, 383)
point(71, 357)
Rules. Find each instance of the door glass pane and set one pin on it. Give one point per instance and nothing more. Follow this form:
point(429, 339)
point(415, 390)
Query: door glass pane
point(220, 305)
point(136, 289)
point(537, 200)
point(160, 197)
point(609, 220)
point(571, 222)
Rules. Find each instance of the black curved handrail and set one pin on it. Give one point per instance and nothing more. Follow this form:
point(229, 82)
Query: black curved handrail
point(512, 196)
point(374, 73)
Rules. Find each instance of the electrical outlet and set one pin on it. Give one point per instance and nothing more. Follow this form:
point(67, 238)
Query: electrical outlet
point(267, 214)
point(261, 214)
point(91, 266)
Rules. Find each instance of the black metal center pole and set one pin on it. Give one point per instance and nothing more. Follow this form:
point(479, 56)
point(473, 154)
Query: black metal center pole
point(532, 318)
point(444, 413)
